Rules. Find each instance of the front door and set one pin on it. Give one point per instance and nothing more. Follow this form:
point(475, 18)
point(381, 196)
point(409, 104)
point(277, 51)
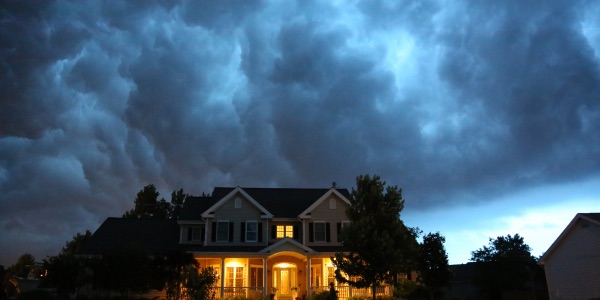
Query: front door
point(284, 281)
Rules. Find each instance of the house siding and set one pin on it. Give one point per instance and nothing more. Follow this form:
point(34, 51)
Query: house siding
point(228, 212)
point(573, 270)
point(323, 213)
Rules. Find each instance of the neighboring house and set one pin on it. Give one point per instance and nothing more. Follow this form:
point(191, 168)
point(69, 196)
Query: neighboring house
point(260, 241)
point(572, 263)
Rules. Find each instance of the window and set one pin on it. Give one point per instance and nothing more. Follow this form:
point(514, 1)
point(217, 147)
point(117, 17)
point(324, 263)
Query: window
point(238, 202)
point(222, 231)
point(251, 231)
point(332, 203)
point(195, 233)
point(234, 276)
point(285, 231)
point(330, 275)
point(256, 276)
point(319, 231)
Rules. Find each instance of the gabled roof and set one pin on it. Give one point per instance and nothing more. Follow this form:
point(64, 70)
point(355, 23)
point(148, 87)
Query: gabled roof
point(155, 236)
point(308, 210)
point(290, 241)
point(282, 202)
point(210, 211)
point(592, 218)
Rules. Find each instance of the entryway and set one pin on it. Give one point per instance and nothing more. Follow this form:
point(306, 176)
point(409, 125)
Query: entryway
point(285, 281)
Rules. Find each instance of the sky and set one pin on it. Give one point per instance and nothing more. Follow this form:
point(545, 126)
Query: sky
point(485, 113)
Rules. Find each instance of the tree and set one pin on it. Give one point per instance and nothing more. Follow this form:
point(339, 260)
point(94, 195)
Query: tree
point(177, 199)
point(506, 264)
point(433, 264)
point(378, 244)
point(147, 205)
point(198, 284)
point(124, 270)
point(20, 269)
point(65, 271)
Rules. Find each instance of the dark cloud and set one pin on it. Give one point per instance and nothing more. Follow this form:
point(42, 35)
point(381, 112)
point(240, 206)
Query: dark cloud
point(454, 102)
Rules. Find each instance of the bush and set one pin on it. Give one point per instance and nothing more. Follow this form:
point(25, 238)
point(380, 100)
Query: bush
point(36, 295)
point(324, 295)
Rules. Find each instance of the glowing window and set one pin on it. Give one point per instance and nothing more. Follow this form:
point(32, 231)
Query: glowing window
point(285, 231)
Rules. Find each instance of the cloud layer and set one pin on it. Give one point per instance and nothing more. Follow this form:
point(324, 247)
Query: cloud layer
point(455, 102)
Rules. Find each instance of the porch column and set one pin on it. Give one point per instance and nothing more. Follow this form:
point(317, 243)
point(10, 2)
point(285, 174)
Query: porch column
point(265, 278)
point(308, 283)
point(222, 277)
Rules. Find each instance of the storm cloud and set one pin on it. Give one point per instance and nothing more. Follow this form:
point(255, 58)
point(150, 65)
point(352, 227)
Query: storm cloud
point(456, 102)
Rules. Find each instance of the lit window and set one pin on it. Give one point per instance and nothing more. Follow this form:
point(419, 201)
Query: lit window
point(285, 231)
point(234, 276)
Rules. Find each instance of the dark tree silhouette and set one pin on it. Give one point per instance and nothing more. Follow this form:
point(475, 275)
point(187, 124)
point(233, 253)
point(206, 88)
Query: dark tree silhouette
point(378, 244)
point(505, 265)
point(433, 269)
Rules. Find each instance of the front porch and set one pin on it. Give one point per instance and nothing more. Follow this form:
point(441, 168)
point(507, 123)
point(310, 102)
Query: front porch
point(285, 275)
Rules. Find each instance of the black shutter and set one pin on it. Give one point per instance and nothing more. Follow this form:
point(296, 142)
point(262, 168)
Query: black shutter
point(339, 229)
point(189, 233)
point(259, 232)
point(243, 232)
point(202, 233)
point(273, 232)
point(213, 233)
point(311, 236)
point(327, 232)
point(296, 234)
point(231, 231)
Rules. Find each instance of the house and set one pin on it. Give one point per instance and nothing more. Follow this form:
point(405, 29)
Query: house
point(572, 263)
point(260, 241)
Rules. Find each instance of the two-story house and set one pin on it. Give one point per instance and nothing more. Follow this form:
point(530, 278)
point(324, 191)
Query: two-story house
point(260, 241)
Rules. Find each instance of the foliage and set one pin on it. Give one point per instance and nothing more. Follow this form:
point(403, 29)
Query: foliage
point(324, 295)
point(36, 295)
point(65, 271)
point(20, 269)
point(172, 269)
point(123, 270)
point(379, 245)
point(505, 264)
point(147, 205)
point(433, 268)
point(197, 285)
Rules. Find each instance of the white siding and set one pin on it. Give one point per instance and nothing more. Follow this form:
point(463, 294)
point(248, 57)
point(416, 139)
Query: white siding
point(573, 270)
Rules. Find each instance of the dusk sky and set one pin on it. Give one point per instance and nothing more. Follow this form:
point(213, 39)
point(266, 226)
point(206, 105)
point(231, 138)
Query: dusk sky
point(485, 113)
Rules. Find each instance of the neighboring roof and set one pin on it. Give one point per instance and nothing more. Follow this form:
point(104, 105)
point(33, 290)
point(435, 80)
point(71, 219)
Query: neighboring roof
point(281, 202)
point(593, 218)
point(155, 236)
point(194, 206)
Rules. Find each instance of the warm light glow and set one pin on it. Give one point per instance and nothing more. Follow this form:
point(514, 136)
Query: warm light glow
point(235, 262)
point(284, 265)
